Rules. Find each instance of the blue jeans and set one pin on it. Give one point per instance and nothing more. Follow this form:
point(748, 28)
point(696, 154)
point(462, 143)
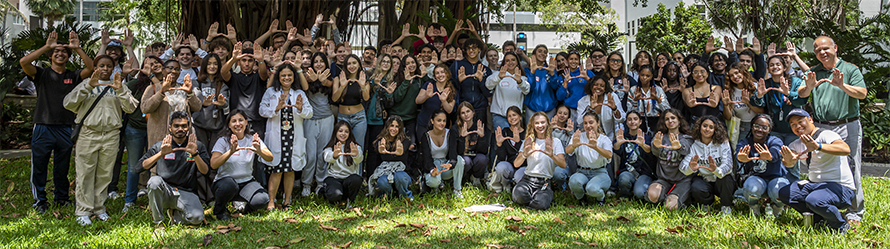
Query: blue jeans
point(401, 182)
point(755, 187)
point(46, 140)
point(788, 138)
point(821, 198)
point(135, 140)
point(593, 182)
point(499, 121)
point(629, 184)
point(560, 176)
point(359, 125)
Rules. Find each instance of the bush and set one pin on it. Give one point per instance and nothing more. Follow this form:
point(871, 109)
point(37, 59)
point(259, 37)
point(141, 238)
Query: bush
point(15, 127)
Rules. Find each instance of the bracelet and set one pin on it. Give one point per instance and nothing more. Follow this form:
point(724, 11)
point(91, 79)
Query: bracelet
point(820, 147)
point(300, 71)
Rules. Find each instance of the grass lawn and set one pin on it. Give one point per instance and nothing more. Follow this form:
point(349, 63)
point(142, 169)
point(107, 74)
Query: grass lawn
point(433, 221)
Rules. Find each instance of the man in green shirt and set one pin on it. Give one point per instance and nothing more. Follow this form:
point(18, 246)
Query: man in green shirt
point(836, 87)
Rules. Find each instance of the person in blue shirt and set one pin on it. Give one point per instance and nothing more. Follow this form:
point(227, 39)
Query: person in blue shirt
point(542, 94)
point(760, 166)
point(468, 76)
point(571, 83)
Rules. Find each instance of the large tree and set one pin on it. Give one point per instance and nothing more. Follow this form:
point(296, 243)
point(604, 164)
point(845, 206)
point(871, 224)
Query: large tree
point(684, 32)
point(51, 10)
point(595, 22)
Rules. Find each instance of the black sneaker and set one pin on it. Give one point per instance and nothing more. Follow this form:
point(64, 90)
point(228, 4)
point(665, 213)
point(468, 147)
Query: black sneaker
point(41, 206)
point(223, 216)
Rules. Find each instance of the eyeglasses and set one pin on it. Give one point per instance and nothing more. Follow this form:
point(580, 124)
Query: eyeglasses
point(760, 127)
point(615, 60)
point(662, 59)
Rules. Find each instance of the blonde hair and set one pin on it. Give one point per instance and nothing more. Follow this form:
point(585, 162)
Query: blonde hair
point(531, 132)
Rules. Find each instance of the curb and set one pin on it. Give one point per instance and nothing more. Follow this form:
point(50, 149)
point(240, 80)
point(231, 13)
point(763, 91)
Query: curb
point(21, 153)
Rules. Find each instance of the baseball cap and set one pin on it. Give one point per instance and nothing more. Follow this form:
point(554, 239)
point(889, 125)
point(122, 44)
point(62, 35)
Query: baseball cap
point(797, 112)
point(115, 43)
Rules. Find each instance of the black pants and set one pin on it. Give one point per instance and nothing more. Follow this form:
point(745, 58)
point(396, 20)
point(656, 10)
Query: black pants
point(335, 189)
point(49, 140)
point(227, 190)
point(533, 192)
point(372, 160)
point(703, 192)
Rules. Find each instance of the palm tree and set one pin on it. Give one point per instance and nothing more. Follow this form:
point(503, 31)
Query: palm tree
point(51, 10)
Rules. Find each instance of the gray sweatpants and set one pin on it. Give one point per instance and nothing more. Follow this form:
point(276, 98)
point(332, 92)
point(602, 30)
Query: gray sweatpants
point(852, 134)
point(318, 133)
point(186, 207)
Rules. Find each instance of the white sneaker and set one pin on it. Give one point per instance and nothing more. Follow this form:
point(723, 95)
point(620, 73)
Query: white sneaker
point(113, 195)
point(778, 209)
point(458, 194)
point(84, 220)
point(726, 210)
point(142, 192)
point(103, 216)
point(239, 206)
point(306, 191)
point(127, 207)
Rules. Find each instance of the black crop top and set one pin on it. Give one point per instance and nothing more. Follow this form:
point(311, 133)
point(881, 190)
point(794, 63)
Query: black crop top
point(352, 95)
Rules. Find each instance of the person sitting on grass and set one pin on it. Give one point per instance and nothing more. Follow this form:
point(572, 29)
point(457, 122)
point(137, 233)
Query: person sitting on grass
point(233, 155)
point(176, 157)
point(830, 186)
point(709, 162)
point(759, 166)
point(343, 156)
point(438, 148)
point(544, 153)
point(593, 150)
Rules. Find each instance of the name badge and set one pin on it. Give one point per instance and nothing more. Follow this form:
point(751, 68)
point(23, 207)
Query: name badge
point(171, 156)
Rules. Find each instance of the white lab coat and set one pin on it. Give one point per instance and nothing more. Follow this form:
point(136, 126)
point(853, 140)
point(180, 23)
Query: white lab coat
point(273, 127)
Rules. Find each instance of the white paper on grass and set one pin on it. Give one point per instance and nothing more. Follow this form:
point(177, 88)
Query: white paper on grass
point(485, 208)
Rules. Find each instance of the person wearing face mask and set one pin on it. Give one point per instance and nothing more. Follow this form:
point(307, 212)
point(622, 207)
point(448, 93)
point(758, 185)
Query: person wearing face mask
point(709, 162)
point(52, 122)
point(468, 76)
point(99, 136)
point(760, 169)
point(179, 158)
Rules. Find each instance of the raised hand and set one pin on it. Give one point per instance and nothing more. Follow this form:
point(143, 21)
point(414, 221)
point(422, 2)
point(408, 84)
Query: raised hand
point(809, 142)
point(576, 139)
point(273, 27)
point(761, 88)
point(187, 84)
point(709, 45)
point(528, 146)
point(236, 51)
point(105, 38)
point(783, 86)
point(641, 138)
point(837, 78)
point(461, 74)
point(464, 130)
point(52, 40)
point(712, 164)
point(551, 67)
point(810, 80)
point(230, 32)
point(570, 125)
point(657, 140)
point(193, 43)
point(208, 100)
point(693, 164)
point(311, 75)
point(739, 45)
point(675, 142)
point(362, 79)
point(619, 137)
point(727, 44)
point(337, 149)
point(499, 136)
point(743, 154)
point(787, 154)
point(117, 82)
point(381, 147)
point(480, 128)
point(443, 96)
point(771, 49)
point(353, 149)
point(763, 150)
point(94, 78)
point(168, 83)
point(220, 100)
point(281, 101)
point(257, 143)
point(548, 146)
point(324, 75)
point(298, 103)
point(128, 66)
point(755, 46)
point(73, 40)
point(192, 147)
point(213, 31)
point(429, 90)
point(480, 72)
point(258, 52)
point(790, 47)
point(292, 34)
point(726, 99)
point(128, 38)
point(233, 143)
point(167, 145)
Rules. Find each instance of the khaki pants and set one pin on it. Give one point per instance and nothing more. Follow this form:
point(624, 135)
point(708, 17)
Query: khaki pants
point(93, 160)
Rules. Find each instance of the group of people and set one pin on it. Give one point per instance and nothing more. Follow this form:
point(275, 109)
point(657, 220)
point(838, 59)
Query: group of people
point(294, 110)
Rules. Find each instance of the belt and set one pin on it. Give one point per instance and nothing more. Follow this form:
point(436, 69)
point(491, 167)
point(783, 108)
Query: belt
point(839, 121)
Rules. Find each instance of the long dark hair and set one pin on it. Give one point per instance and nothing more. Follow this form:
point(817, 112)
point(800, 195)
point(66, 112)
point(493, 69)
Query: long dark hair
point(227, 132)
point(276, 80)
point(622, 70)
point(400, 75)
point(636, 63)
point(350, 139)
point(720, 134)
point(142, 80)
point(346, 65)
point(662, 127)
point(390, 140)
point(664, 73)
point(317, 86)
point(784, 65)
point(518, 61)
point(203, 75)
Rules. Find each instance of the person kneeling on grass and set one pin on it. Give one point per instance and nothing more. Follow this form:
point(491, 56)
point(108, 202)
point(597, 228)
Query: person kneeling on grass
point(593, 149)
point(830, 185)
point(544, 154)
point(760, 168)
point(343, 156)
point(177, 157)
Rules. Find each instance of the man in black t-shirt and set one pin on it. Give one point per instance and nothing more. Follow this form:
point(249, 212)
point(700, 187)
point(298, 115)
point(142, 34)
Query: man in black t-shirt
point(246, 88)
point(52, 122)
point(177, 157)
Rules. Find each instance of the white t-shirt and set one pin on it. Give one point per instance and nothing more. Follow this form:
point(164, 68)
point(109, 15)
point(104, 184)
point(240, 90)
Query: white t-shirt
point(240, 164)
point(539, 164)
point(588, 157)
point(826, 167)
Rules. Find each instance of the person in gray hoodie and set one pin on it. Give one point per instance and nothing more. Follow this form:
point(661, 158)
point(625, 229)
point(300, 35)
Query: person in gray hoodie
point(670, 145)
point(710, 163)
